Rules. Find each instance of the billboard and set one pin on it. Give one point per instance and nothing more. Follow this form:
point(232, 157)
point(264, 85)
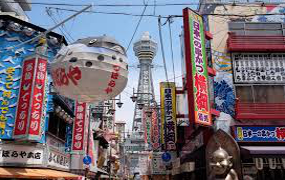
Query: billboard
point(196, 68)
point(79, 127)
point(168, 115)
point(259, 133)
point(31, 109)
point(155, 136)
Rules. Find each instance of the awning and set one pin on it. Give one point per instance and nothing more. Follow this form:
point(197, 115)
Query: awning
point(31, 173)
point(265, 149)
point(101, 171)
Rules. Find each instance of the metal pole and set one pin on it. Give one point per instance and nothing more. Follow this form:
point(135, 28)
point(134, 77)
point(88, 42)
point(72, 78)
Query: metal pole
point(52, 28)
point(88, 138)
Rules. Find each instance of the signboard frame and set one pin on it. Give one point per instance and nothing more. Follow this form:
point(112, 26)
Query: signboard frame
point(196, 69)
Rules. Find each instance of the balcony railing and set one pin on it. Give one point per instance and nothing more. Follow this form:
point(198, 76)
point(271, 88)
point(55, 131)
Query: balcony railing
point(262, 111)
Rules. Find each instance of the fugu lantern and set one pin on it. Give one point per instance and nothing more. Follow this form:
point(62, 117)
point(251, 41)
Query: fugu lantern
point(91, 69)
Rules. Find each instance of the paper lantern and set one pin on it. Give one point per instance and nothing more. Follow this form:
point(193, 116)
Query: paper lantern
point(91, 69)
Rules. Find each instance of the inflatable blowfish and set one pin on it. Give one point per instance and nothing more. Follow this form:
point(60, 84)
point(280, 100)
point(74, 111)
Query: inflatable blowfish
point(90, 69)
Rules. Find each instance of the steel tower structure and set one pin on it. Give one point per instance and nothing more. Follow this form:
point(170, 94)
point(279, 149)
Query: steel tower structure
point(145, 49)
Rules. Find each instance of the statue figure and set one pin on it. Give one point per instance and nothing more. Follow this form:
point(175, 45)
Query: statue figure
point(221, 166)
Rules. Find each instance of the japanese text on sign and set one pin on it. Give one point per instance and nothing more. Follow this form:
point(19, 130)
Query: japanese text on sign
point(114, 76)
point(154, 130)
point(62, 78)
point(7, 93)
point(258, 134)
point(168, 115)
point(38, 98)
point(21, 154)
point(22, 115)
point(199, 72)
point(79, 127)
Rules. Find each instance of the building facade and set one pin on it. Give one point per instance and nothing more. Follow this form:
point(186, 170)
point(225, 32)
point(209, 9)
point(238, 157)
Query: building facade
point(246, 51)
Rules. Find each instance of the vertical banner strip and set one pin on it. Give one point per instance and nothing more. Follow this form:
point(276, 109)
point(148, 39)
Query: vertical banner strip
point(168, 117)
point(197, 74)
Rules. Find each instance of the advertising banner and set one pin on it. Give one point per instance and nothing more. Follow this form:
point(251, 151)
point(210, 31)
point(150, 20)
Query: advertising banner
point(147, 128)
point(168, 115)
point(155, 135)
point(31, 109)
point(79, 127)
point(196, 66)
point(259, 133)
point(21, 154)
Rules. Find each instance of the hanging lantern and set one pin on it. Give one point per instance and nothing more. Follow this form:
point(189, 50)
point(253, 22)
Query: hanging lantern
point(272, 163)
point(91, 69)
point(258, 163)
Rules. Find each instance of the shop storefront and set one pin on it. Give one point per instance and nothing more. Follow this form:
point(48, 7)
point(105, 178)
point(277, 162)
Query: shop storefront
point(262, 151)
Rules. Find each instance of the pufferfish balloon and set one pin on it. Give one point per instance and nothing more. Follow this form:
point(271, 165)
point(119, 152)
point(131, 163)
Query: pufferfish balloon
point(91, 69)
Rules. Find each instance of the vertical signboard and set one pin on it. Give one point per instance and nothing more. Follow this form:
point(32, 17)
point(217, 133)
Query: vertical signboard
point(168, 114)
point(147, 128)
point(30, 114)
point(196, 67)
point(79, 127)
point(155, 130)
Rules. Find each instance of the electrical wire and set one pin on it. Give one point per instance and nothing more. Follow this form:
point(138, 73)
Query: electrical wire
point(256, 4)
point(173, 16)
point(64, 27)
point(162, 49)
point(137, 26)
point(171, 46)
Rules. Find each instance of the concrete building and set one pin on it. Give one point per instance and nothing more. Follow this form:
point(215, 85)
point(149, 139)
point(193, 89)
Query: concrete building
point(246, 52)
point(16, 8)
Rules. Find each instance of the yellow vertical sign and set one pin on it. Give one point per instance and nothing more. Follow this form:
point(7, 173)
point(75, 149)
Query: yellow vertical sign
point(168, 115)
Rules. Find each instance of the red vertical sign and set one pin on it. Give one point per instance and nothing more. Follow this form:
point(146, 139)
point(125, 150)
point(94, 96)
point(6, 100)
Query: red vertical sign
point(38, 98)
point(79, 127)
point(24, 104)
point(30, 113)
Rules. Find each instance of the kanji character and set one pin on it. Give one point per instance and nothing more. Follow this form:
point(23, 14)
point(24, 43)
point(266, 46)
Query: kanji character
point(37, 106)
point(77, 145)
point(24, 97)
point(79, 116)
point(79, 108)
point(79, 129)
point(41, 76)
point(112, 83)
point(42, 67)
point(196, 30)
point(116, 67)
point(4, 110)
point(63, 77)
point(22, 115)
point(29, 66)
point(38, 155)
point(108, 90)
point(202, 101)
point(21, 125)
point(280, 133)
point(198, 55)
point(36, 115)
point(199, 68)
point(34, 125)
point(200, 83)
point(74, 74)
point(38, 96)
point(3, 117)
point(27, 76)
point(10, 70)
point(9, 77)
point(7, 94)
point(8, 85)
point(114, 75)
point(26, 86)
point(5, 103)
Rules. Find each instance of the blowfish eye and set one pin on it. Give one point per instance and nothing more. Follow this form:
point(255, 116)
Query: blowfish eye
point(92, 41)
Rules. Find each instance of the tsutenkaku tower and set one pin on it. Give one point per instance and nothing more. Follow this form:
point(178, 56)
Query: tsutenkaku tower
point(145, 49)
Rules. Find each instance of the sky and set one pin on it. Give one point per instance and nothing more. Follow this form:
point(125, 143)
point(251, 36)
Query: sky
point(122, 28)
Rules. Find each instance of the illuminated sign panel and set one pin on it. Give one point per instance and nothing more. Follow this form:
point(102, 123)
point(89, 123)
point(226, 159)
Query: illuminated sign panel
point(31, 109)
point(168, 115)
point(196, 65)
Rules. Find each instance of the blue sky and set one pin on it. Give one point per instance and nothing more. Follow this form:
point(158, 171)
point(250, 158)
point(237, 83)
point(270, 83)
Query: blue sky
point(121, 27)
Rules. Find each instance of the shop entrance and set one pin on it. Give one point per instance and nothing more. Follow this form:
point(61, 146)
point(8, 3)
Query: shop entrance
point(263, 169)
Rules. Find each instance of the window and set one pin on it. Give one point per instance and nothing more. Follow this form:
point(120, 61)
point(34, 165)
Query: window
point(261, 93)
point(57, 126)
